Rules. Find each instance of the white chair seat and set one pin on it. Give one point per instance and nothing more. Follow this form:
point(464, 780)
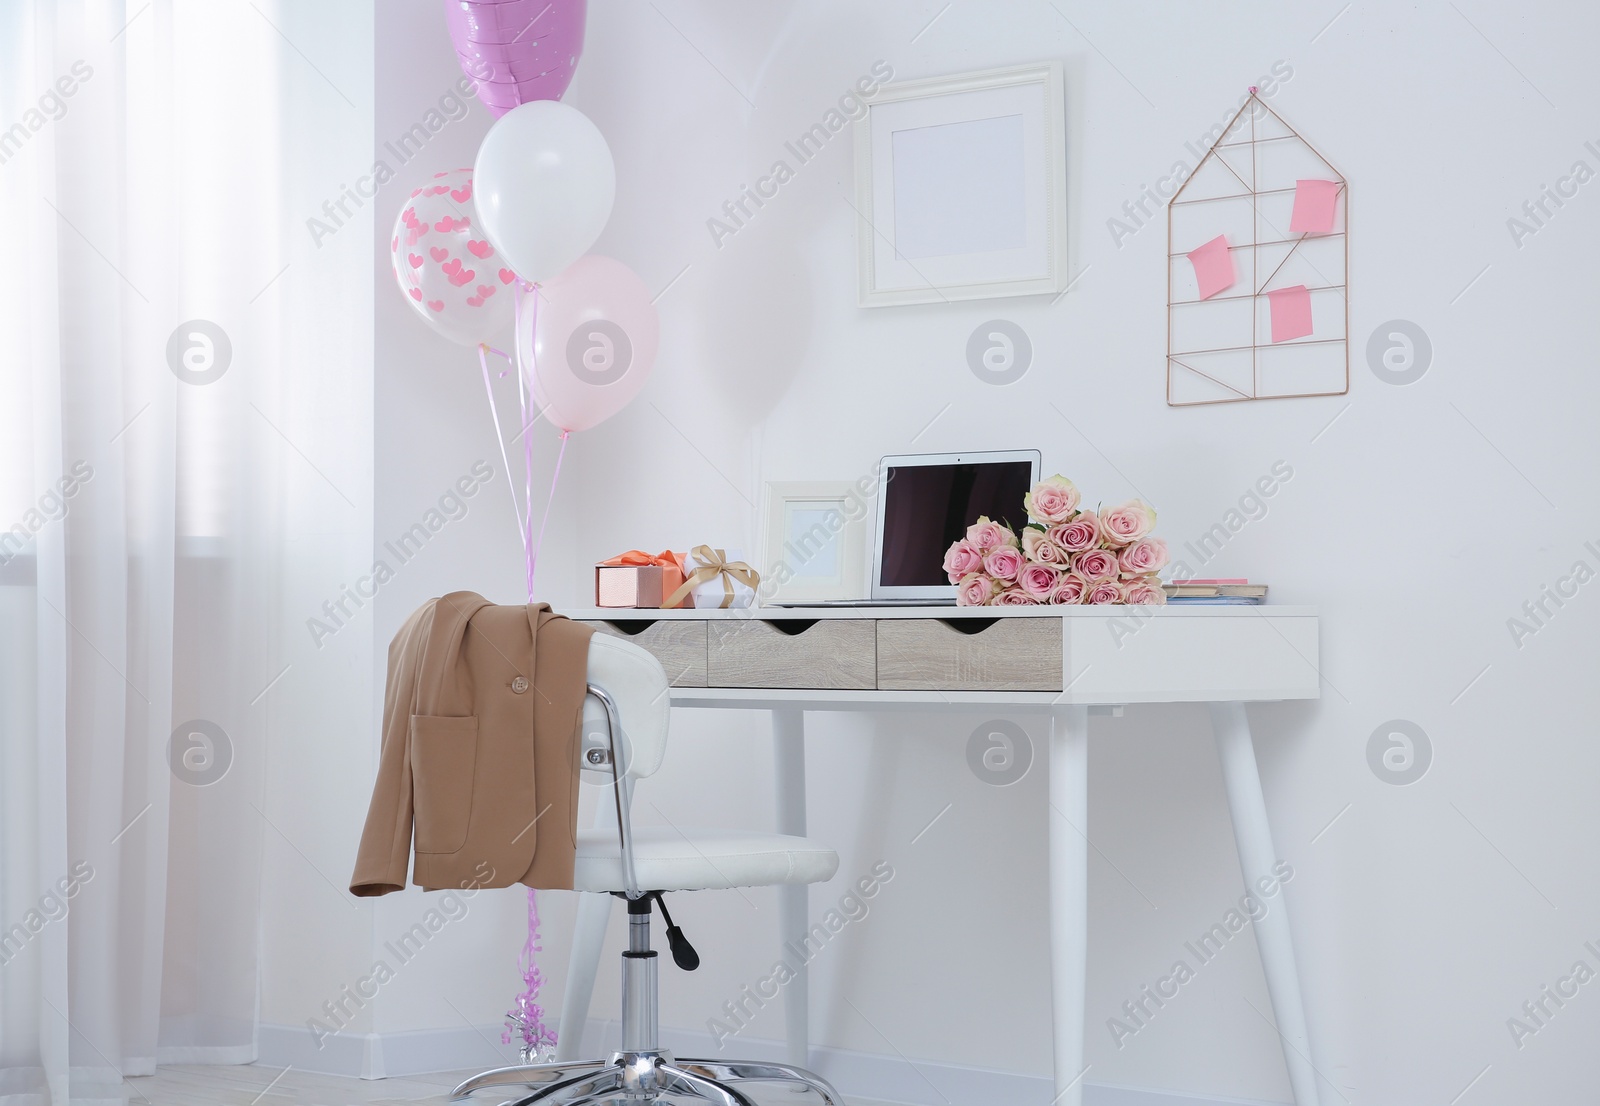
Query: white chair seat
point(691, 860)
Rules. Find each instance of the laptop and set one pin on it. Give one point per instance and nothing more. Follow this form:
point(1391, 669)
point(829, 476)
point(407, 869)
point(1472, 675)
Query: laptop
point(926, 502)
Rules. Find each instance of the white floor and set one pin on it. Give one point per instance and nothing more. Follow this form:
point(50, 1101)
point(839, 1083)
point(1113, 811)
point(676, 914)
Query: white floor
point(251, 1085)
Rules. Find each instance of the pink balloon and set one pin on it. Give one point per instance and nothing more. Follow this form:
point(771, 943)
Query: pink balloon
point(588, 341)
point(448, 271)
point(517, 50)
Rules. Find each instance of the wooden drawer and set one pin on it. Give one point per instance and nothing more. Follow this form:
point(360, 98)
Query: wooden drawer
point(679, 646)
point(792, 653)
point(935, 654)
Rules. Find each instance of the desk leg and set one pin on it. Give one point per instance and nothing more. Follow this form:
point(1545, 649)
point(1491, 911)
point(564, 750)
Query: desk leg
point(789, 760)
point(1253, 835)
point(1069, 895)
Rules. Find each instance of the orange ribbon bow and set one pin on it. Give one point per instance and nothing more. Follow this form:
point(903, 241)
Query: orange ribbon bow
point(637, 557)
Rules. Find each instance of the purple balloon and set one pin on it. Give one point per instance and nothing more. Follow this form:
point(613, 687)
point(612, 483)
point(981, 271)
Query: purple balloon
point(517, 50)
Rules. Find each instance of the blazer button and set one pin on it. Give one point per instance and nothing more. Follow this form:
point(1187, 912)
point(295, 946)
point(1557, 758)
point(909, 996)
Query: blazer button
point(520, 684)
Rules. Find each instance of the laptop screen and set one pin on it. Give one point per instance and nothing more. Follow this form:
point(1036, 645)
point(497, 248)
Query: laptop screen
point(927, 507)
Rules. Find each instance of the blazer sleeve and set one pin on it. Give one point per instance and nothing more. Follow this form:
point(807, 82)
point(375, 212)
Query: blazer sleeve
point(385, 852)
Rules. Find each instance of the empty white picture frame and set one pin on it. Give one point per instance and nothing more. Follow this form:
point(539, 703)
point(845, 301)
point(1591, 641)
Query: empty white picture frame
point(961, 187)
point(815, 542)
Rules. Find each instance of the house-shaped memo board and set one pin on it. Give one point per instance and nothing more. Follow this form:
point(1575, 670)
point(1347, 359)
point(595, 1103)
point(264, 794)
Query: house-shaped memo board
point(1257, 263)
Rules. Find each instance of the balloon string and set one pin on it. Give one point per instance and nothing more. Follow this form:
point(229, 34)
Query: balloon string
point(539, 542)
point(530, 552)
point(494, 415)
point(531, 544)
point(526, 1016)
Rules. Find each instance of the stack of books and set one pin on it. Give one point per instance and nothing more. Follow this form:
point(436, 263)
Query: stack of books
point(1217, 593)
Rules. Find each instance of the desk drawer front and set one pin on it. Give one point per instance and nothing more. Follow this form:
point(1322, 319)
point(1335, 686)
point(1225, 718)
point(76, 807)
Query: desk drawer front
point(830, 653)
point(1141, 659)
point(679, 646)
point(928, 654)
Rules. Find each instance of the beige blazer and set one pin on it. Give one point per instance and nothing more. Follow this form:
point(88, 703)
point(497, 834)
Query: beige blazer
point(481, 721)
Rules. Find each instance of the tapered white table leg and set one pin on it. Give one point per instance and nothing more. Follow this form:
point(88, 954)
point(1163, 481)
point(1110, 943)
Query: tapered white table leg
point(1069, 895)
point(789, 761)
point(1253, 835)
point(588, 942)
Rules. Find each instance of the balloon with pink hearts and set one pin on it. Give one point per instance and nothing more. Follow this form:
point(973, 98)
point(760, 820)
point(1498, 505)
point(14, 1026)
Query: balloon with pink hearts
point(517, 51)
point(588, 341)
point(447, 268)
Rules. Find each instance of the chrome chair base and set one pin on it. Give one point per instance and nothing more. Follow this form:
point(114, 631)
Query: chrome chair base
point(634, 1077)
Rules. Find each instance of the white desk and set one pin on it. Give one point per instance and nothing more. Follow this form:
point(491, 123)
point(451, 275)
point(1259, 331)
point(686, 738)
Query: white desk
point(1054, 661)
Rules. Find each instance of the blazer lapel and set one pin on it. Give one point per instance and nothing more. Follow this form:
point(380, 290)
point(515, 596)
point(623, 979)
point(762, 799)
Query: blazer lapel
point(452, 613)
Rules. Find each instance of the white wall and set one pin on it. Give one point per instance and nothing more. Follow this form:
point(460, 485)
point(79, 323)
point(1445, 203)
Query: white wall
point(1419, 519)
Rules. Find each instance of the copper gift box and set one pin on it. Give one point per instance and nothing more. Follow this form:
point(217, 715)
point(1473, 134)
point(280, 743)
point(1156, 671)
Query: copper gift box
point(630, 585)
point(638, 579)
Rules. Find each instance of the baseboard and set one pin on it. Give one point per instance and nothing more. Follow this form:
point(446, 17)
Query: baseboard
point(856, 1074)
point(382, 1055)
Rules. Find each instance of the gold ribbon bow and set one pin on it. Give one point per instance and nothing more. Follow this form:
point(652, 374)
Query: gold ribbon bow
point(715, 563)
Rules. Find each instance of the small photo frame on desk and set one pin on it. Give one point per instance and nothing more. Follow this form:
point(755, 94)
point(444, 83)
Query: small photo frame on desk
point(815, 542)
point(961, 187)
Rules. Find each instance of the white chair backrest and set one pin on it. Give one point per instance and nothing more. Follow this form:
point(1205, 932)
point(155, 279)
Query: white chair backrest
point(637, 683)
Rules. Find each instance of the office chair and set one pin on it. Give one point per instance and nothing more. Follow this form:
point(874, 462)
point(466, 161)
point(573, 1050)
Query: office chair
point(624, 739)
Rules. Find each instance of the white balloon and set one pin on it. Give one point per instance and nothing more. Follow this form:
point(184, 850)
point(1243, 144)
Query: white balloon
point(545, 184)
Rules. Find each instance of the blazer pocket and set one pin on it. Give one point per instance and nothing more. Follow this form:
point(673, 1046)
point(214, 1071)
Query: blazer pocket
point(444, 752)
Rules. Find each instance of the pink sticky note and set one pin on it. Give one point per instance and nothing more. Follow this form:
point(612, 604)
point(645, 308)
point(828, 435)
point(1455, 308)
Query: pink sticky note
point(1291, 312)
point(1213, 266)
point(1314, 204)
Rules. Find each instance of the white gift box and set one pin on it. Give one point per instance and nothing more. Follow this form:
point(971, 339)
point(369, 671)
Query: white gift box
point(714, 592)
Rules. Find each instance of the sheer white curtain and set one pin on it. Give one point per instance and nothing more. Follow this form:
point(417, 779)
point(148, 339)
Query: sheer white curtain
point(185, 455)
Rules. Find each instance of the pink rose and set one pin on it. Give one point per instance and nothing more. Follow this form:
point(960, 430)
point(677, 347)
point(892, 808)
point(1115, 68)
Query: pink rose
point(1038, 581)
point(1106, 591)
point(1081, 533)
point(986, 534)
point(1003, 563)
point(1144, 590)
point(1096, 564)
point(960, 559)
point(1037, 547)
point(1052, 500)
point(1128, 523)
point(1016, 597)
point(1144, 556)
point(975, 590)
point(1071, 589)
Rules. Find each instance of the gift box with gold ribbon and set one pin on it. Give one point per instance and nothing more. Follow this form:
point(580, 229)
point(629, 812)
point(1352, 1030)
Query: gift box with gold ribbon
point(712, 580)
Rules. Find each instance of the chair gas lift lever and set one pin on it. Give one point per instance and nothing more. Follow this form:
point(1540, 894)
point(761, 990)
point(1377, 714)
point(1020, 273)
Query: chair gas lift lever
point(683, 953)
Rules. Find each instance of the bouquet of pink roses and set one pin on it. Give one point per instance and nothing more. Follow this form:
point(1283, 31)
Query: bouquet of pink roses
point(1065, 555)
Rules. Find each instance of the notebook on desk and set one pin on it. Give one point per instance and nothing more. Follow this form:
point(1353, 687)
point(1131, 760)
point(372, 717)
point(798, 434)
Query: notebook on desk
point(926, 502)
